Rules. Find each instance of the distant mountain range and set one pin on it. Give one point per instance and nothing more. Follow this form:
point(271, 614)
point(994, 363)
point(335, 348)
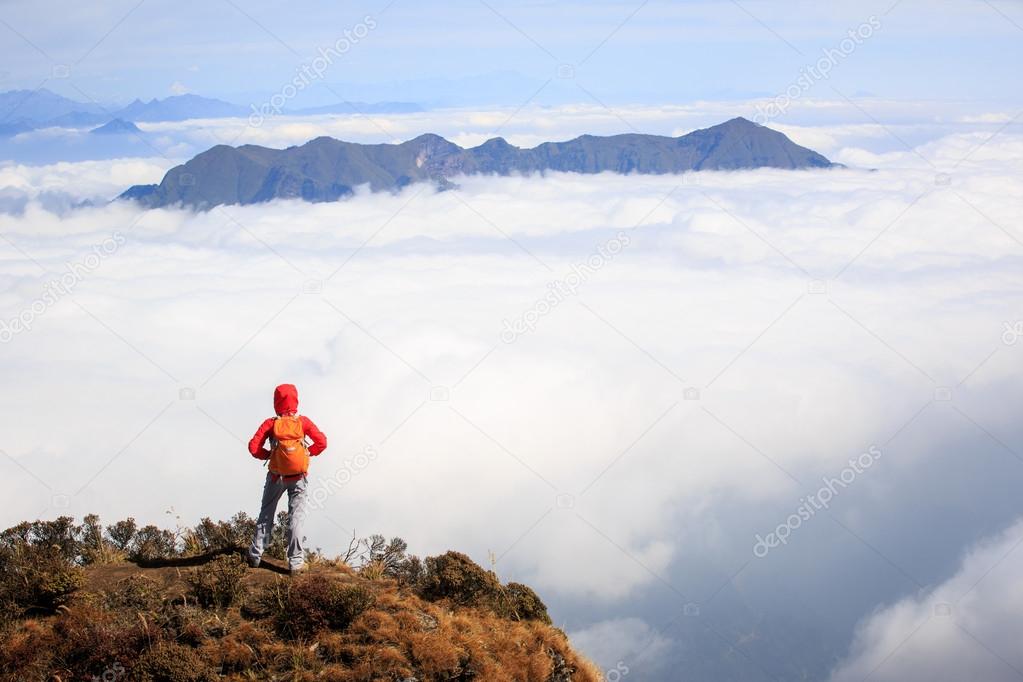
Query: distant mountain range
point(179, 108)
point(117, 127)
point(326, 169)
point(33, 108)
point(43, 109)
point(25, 110)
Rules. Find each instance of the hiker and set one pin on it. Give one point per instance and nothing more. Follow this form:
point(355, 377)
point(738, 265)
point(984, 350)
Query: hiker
point(289, 464)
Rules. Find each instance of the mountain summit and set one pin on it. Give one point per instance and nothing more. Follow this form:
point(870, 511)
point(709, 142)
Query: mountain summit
point(326, 169)
point(117, 126)
point(119, 602)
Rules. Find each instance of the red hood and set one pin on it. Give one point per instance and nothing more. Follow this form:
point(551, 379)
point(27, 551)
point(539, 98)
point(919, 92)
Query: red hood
point(285, 399)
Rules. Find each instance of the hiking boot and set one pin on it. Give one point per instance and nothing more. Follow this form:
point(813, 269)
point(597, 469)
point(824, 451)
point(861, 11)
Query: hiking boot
point(296, 570)
point(253, 563)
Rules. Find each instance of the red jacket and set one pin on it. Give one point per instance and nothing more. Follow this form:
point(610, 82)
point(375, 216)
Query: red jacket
point(285, 402)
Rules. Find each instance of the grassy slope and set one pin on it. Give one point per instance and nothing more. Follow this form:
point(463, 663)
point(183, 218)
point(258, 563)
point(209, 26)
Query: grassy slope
point(160, 633)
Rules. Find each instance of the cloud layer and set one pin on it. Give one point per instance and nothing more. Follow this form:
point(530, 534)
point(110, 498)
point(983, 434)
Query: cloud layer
point(665, 401)
point(966, 627)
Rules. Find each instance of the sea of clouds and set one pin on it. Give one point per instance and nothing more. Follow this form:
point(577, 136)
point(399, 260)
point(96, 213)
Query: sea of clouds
point(609, 387)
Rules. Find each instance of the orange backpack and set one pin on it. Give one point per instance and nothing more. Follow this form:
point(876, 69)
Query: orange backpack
point(289, 455)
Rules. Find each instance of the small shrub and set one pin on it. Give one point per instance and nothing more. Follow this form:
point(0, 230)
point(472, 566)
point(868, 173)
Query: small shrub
point(37, 579)
point(212, 536)
point(136, 592)
point(219, 582)
point(40, 561)
point(309, 604)
point(93, 546)
point(522, 603)
point(61, 534)
point(91, 538)
point(189, 624)
point(456, 577)
point(316, 557)
point(51, 581)
point(374, 570)
point(88, 639)
point(150, 543)
point(170, 662)
point(122, 533)
point(389, 555)
point(410, 572)
point(378, 558)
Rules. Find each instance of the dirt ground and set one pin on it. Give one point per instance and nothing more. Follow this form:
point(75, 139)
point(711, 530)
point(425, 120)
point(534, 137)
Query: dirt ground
point(172, 579)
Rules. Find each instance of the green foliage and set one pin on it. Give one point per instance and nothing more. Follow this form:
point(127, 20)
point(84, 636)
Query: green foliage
point(40, 569)
point(151, 543)
point(219, 582)
point(121, 533)
point(410, 571)
point(520, 602)
point(451, 576)
point(91, 543)
point(93, 546)
point(379, 558)
point(388, 554)
point(210, 536)
point(91, 539)
point(61, 534)
point(40, 579)
point(457, 578)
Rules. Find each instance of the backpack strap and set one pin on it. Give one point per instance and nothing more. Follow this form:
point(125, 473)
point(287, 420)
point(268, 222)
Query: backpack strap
point(272, 439)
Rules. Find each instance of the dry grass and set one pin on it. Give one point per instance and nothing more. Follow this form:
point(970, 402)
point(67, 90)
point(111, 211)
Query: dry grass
point(331, 624)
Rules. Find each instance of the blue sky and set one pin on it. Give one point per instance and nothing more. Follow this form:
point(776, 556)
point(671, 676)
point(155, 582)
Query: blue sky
point(473, 52)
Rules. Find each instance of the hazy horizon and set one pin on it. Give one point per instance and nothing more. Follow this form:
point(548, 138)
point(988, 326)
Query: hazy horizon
point(616, 52)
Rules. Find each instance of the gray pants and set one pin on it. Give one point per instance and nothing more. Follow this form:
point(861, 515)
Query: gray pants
point(272, 491)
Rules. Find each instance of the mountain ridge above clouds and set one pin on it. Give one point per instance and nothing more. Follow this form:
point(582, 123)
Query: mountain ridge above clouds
point(26, 110)
point(327, 169)
point(117, 126)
